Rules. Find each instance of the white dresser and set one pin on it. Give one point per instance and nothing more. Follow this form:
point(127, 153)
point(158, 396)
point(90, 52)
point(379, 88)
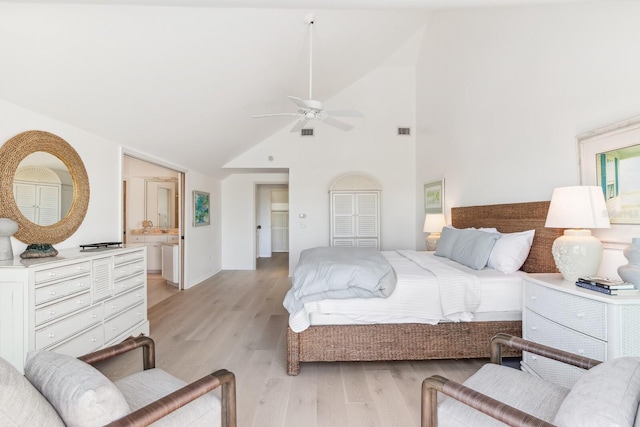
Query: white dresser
point(74, 303)
point(559, 314)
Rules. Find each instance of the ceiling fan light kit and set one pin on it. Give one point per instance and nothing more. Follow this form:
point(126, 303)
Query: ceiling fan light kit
point(312, 109)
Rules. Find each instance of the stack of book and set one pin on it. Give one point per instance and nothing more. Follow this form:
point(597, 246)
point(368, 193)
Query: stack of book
point(607, 286)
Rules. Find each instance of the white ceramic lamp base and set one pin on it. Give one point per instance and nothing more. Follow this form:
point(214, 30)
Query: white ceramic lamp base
point(577, 254)
point(432, 241)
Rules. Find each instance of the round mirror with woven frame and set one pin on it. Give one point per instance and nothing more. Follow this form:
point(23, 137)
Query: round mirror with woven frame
point(11, 154)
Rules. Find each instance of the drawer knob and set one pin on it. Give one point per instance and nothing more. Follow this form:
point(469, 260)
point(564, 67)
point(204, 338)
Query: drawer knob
point(114, 307)
point(80, 302)
point(580, 351)
point(534, 357)
point(52, 274)
point(533, 298)
point(94, 316)
point(94, 339)
point(52, 292)
point(52, 335)
point(534, 328)
point(579, 315)
point(52, 313)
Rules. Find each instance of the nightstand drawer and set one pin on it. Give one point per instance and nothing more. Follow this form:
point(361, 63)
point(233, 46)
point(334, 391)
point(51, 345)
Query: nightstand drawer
point(125, 270)
point(581, 314)
point(552, 370)
point(62, 308)
point(546, 332)
point(65, 328)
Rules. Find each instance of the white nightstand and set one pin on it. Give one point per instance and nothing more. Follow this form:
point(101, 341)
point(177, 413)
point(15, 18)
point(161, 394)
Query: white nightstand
point(559, 314)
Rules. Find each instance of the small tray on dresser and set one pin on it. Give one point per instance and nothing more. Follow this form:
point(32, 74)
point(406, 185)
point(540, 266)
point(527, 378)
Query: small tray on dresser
point(101, 245)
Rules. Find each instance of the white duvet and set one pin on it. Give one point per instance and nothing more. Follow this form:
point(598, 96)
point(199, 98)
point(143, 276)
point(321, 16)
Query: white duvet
point(427, 291)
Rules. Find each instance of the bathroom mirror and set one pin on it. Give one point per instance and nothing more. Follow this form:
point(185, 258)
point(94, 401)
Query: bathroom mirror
point(161, 205)
point(35, 153)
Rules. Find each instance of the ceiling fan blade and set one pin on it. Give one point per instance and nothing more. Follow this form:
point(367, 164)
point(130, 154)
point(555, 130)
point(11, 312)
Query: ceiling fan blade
point(275, 114)
point(338, 124)
point(344, 113)
point(299, 102)
point(299, 125)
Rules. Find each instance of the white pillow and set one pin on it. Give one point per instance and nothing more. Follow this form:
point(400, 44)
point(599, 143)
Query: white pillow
point(511, 251)
point(606, 395)
point(81, 394)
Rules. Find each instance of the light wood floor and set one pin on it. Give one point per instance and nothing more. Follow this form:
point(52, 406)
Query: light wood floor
point(236, 321)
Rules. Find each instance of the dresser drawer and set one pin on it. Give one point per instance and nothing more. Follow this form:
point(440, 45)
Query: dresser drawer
point(62, 308)
point(129, 283)
point(82, 344)
point(61, 289)
point(122, 302)
point(56, 273)
point(121, 323)
point(546, 332)
point(575, 312)
point(129, 256)
point(67, 327)
point(126, 270)
point(552, 370)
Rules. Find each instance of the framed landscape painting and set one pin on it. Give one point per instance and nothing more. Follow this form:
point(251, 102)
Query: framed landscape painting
point(434, 197)
point(201, 205)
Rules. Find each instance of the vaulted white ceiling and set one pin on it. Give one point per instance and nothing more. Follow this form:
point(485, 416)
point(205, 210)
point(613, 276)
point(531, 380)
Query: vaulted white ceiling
point(180, 79)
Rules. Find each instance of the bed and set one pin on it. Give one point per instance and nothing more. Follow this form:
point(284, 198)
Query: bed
point(420, 341)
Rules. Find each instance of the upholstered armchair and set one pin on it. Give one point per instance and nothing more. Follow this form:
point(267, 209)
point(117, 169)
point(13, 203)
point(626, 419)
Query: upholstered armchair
point(59, 390)
point(606, 394)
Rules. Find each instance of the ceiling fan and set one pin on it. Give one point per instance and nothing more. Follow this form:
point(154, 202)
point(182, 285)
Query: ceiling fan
point(311, 109)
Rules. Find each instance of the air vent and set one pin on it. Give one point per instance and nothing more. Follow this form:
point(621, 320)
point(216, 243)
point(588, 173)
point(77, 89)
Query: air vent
point(306, 132)
point(404, 131)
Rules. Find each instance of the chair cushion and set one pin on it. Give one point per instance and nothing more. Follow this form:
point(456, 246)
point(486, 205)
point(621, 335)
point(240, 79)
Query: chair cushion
point(20, 403)
point(144, 387)
point(516, 388)
point(607, 394)
point(79, 392)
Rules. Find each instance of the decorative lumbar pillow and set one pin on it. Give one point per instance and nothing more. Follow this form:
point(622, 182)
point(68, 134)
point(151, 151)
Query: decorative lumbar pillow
point(20, 403)
point(511, 251)
point(606, 395)
point(81, 394)
point(473, 247)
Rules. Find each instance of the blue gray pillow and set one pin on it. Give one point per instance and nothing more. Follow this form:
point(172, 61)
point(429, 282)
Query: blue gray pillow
point(469, 247)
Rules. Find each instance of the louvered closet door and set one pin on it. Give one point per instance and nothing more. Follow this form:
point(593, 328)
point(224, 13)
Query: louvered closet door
point(355, 219)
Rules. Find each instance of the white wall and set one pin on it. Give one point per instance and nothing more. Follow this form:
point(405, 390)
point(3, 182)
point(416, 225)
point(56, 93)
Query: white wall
point(503, 93)
point(102, 159)
point(387, 98)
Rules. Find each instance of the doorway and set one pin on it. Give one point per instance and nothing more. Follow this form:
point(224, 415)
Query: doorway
point(153, 210)
point(272, 220)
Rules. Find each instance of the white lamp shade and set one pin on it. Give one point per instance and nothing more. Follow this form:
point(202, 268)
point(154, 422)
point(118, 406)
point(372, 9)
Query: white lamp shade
point(577, 207)
point(433, 223)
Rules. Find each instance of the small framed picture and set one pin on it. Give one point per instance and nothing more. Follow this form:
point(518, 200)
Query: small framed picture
point(201, 208)
point(434, 197)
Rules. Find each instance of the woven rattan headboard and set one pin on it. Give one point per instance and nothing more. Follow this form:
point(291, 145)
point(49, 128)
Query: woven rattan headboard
point(509, 218)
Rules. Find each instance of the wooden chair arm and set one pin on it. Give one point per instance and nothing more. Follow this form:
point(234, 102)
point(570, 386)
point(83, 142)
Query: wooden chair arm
point(131, 343)
point(552, 353)
point(481, 402)
point(171, 402)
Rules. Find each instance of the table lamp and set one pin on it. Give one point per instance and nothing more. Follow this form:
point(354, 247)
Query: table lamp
point(577, 253)
point(433, 224)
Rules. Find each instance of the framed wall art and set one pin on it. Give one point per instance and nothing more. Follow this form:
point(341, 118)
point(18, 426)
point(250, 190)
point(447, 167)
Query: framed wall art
point(201, 208)
point(610, 159)
point(434, 197)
